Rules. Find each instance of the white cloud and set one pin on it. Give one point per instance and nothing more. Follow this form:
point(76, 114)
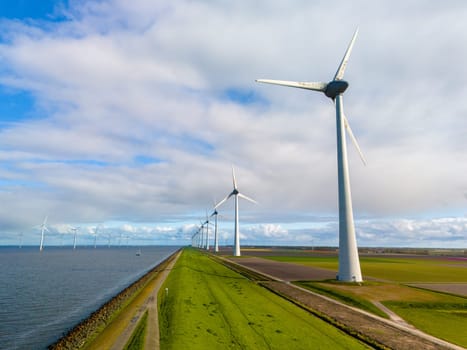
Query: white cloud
point(141, 109)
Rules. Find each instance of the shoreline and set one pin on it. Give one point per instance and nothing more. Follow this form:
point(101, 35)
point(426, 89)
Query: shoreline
point(84, 331)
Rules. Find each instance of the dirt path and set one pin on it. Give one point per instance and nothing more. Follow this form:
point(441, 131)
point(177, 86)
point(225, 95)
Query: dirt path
point(367, 326)
point(149, 304)
point(392, 315)
point(152, 333)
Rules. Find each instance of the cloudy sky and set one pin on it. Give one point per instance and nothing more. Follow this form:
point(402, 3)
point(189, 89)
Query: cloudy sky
point(130, 115)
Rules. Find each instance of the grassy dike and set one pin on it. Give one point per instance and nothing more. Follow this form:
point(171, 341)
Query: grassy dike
point(102, 327)
point(208, 306)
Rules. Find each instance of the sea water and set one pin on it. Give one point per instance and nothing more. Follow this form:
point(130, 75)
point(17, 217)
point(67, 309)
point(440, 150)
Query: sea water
point(44, 294)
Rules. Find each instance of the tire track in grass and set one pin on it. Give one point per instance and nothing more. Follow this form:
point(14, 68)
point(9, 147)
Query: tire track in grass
point(228, 292)
point(222, 314)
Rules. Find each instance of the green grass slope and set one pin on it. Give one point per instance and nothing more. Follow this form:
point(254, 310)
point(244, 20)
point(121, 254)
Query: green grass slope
point(208, 306)
point(445, 320)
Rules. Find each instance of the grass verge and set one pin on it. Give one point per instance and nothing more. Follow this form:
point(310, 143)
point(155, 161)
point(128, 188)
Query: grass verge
point(343, 296)
point(446, 320)
point(136, 341)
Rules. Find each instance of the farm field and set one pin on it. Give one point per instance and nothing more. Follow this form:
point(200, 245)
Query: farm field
point(390, 279)
point(394, 269)
point(208, 306)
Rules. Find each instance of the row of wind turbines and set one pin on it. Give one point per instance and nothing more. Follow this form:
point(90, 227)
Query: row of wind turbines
point(201, 237)
point(349, 263)
point(43, 228)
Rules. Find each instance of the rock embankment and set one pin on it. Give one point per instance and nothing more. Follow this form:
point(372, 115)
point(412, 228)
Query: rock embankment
point(77, 337)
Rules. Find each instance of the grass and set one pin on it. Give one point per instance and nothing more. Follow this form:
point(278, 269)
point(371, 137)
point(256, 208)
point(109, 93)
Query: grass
point(393, 269)
point(440, 314)
point(344, 296)
point(105, 337)
point(208, 306)
point(136, 341)
point(446, 320)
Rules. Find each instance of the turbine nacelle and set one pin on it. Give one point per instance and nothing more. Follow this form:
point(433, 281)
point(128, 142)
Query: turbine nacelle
point(335, 88)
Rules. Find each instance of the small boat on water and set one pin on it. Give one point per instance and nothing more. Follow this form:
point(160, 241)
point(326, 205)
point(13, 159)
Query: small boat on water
point(138, 252)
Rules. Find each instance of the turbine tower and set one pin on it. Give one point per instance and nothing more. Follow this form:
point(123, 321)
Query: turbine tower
point(349, 264)
point(207, 231)
point(236, 194)
point(95, 236)
point(216, 238)
point(43, 228)
point(74, 229)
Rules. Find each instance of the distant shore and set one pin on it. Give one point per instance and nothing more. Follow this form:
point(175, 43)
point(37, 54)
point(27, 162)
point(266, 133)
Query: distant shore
point(84, 331)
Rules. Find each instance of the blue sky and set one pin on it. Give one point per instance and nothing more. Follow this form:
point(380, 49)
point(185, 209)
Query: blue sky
point(28, 9)
point(130, 115)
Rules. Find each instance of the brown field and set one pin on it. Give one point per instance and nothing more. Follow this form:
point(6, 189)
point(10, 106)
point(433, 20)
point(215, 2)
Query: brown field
point(287, 271)
point(451, 288)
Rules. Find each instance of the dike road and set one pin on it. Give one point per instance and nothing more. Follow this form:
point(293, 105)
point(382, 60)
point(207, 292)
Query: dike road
point(149, 305)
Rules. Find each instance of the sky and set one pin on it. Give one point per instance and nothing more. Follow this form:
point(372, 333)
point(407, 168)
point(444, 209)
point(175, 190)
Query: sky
point(129, 116)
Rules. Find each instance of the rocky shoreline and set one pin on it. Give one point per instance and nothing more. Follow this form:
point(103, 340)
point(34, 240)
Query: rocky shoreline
point(82, 332)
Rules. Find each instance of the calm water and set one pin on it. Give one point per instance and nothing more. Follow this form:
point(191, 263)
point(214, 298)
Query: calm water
point(42, 295)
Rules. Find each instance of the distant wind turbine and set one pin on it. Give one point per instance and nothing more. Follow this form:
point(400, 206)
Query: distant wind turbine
point(206, 224)
point(75, 230)
point(95, 236)
point(349, 264)
point(21, 240)
point(236, 194)
point(203, 236)
point(43, 228)
point(200, 236)
point(216, 238)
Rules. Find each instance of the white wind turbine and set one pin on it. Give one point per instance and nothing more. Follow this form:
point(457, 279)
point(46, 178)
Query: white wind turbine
point(204, 235)
point(43, 228)
point(95, 236)
point(349, 264)
point(236, 194)
point(75, 230)
point(207, 233)
point(206, 224)
point(216, 238)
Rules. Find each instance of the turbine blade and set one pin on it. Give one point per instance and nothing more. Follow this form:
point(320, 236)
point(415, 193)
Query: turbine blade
point(45, 220)
point(222, 201)
point(247, 198)
point(354, 140)
point(233, 178)
point(315, 86)
point(341, 70)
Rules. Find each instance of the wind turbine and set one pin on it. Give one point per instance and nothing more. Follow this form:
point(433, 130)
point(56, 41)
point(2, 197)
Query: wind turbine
point(236, 194)
point(21, 240)
point(95, 236)
point(74, 229)
point(207, 230)
point(216, 238)
point(43, 228)
point(204, 238)
point(349, 264)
